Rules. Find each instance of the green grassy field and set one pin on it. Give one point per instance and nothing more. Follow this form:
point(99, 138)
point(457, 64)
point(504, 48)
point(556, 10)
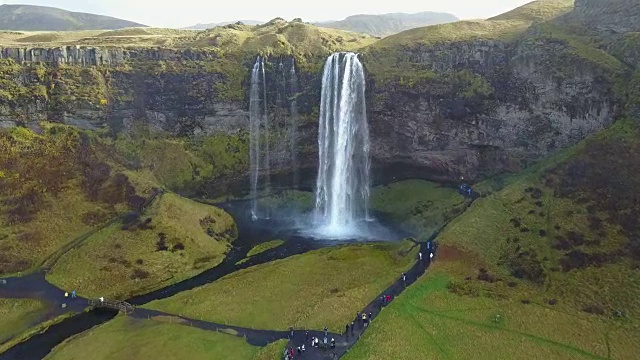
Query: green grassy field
point(421, 207)
point(313, 290)
point(18, 315)
point(175, 239)
point(429, 321)
point(128, 338)
point(546, 264)
point(264, 247)
point(260, 248)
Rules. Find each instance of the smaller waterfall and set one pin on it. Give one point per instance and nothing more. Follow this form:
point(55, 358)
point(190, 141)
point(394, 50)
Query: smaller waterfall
point(260, 161)
point(293, 125)
point(254, 135)
point(267, 138)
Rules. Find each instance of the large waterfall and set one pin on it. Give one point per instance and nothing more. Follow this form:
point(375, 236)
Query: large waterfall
point(342, 193)
point(259, 133)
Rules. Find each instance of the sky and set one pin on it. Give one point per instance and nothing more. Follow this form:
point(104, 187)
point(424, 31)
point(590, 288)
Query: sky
point(182, 13)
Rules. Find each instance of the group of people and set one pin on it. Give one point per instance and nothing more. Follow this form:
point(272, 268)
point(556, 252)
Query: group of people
point(465, 190)
point(73, 294)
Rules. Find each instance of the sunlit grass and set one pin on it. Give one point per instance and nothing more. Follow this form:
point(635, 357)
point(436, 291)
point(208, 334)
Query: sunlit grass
point(313, 290)
point(119, 263)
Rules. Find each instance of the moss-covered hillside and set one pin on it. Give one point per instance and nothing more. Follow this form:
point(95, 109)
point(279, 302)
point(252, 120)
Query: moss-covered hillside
point(58, 184)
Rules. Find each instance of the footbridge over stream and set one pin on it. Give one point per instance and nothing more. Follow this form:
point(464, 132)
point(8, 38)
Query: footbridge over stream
point(122, 306)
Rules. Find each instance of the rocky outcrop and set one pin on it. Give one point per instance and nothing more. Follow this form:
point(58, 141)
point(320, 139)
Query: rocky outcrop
point(608, 16)
point(92, 56)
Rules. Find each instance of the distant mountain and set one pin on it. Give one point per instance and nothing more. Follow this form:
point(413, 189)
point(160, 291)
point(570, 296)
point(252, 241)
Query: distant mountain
point(212, 25)
point(43, 18)
point(389, 24)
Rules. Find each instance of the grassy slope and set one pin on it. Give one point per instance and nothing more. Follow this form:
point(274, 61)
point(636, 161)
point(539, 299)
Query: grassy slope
point(421, 207)
point(565, 231)
point(17, 315)
point(117, 262)
point(321, 288)
point(128, 338)
point(276, 36)
point(429, 322)
point(53, 187)
point(264, 247)
point(535, 11)
point(387, 56)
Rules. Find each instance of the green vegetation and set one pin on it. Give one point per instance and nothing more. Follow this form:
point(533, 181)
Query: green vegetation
point(503, 27)
point(18, 315)
point(162, 338)
point(547, 263)
point(455, 32)
point(432, 320)
point(175, 239)
point(533, 24)
point(182, 164)
point(260, 248)
point(272, 351)
point(419, 206)
point(55, 187)
point(537, 11)
point(313, 290)
point(275, 37)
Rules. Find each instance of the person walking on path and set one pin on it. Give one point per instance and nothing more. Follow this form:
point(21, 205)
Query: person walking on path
point(333, 343)
point(73, 294)
point(306, 336)
point(420, 255)
point(364, 319)
point(290, 332)
point(370, 316)
point(326, 331)
point(404, 279)
point(353, 327)
point(347, 330)
point(66, 294)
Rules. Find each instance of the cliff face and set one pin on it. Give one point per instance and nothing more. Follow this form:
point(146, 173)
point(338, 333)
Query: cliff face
point(488, 106)
point(468, 107)
point(95, 56)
